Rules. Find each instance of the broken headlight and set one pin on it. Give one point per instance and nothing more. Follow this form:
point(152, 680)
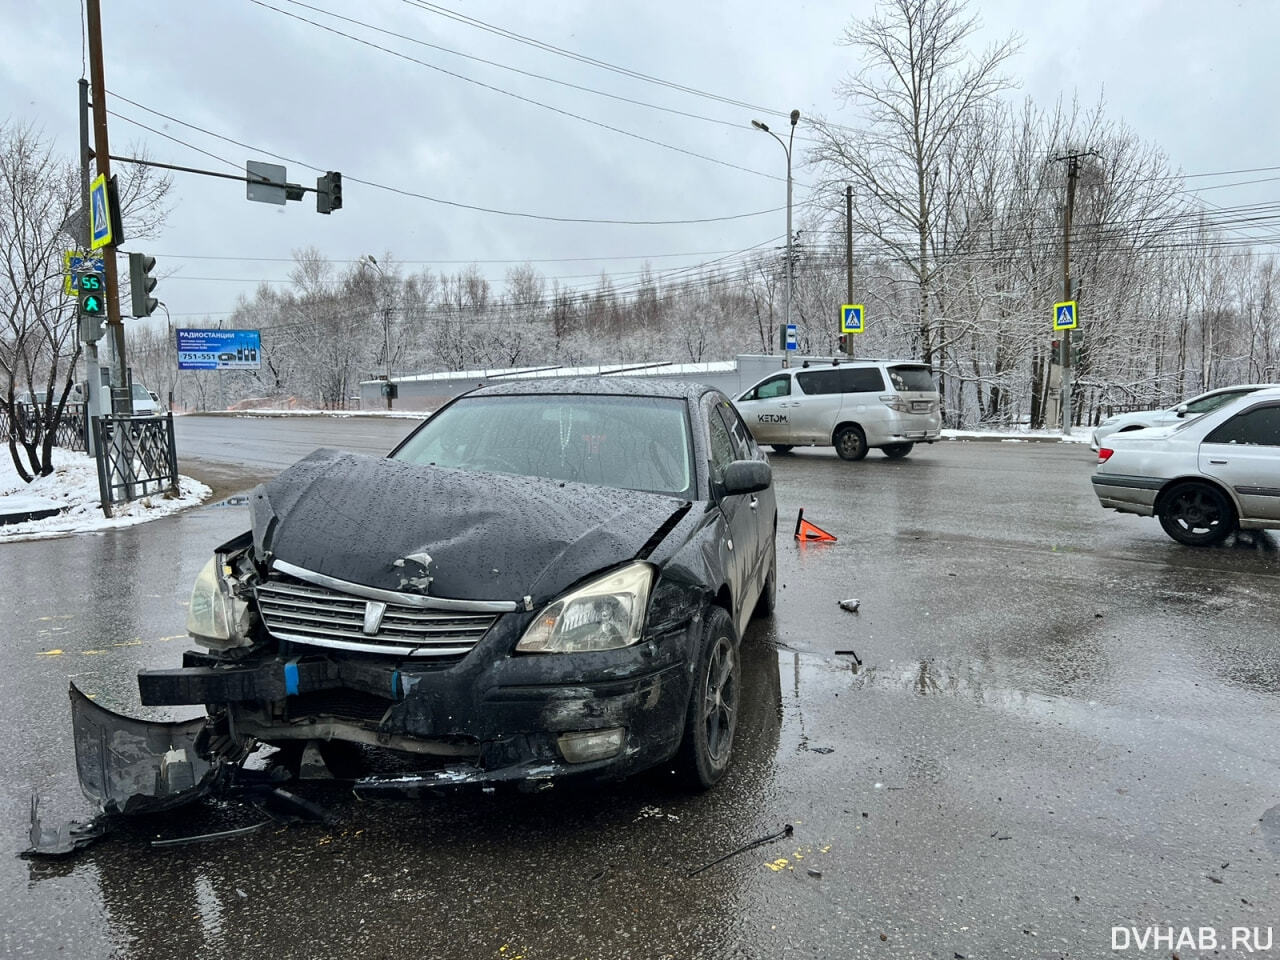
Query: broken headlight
point(216, 617)
point(604, 614)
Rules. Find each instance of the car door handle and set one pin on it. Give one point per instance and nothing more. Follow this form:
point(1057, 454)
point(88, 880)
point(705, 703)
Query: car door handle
point(1219, 462)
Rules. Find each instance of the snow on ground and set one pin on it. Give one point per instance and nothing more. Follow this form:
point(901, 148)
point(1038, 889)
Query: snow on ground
point(73, 486)
point(1077, 435)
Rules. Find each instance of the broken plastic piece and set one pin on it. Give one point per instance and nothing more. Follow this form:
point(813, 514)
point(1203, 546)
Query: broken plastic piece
point(137, 766)
point(62, 840)
point(852, 604)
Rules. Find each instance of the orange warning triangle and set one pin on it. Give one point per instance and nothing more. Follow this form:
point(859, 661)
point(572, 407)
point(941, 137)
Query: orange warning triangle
point(807, 532)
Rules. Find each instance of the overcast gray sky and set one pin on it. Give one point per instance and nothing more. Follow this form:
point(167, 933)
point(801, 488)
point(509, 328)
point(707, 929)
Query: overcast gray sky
point(1197, 78)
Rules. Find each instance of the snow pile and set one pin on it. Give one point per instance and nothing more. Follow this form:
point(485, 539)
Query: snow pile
point(73, 487)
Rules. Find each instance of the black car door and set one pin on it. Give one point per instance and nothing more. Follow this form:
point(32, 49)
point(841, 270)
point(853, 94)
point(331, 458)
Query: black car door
point(738, 550)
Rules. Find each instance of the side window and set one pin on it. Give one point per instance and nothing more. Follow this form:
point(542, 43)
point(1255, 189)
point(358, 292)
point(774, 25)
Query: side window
point(777, 387)
point(861, 380)
point(817, 382)
point(744, 445)
point(721, 445)
point(1257, 427)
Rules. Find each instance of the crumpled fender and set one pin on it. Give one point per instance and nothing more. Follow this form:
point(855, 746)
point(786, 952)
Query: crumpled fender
point(133, 766)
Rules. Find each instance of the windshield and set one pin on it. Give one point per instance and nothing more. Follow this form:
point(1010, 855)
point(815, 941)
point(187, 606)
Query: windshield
point(1214, 401)
point(635, 443)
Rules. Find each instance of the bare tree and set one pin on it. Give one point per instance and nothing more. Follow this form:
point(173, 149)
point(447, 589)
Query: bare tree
point(922, 90)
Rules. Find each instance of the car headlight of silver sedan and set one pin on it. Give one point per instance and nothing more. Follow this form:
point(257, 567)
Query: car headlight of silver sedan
point(604, 614)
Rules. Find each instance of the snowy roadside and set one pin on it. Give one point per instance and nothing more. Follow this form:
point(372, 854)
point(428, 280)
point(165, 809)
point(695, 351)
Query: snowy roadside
point(72, 488)
point(1077, 435)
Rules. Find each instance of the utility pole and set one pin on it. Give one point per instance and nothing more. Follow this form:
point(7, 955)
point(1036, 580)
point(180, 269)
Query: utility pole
point(1064, 345)
point(121, 394)
point(848, 259)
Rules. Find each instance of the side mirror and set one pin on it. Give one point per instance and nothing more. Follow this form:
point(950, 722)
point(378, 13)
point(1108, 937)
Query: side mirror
point(1182, 410)
point(746, 476)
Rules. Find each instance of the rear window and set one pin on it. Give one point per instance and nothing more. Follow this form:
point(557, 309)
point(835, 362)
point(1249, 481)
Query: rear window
point(913, 379)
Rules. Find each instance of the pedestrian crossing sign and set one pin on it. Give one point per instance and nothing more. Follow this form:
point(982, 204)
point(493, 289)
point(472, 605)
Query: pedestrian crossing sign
point(1065, 316)
point(851, 318)
point(100, 227)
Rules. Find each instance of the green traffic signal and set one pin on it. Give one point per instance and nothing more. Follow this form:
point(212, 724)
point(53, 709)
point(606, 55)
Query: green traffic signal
point(92, 287)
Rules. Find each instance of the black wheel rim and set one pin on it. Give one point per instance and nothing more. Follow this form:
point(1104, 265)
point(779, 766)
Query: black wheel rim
point(1197, 512)
point(849, 444)
point(720, 701)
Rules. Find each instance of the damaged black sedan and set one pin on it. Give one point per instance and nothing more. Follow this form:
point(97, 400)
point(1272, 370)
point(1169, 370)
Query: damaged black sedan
point(546, 578)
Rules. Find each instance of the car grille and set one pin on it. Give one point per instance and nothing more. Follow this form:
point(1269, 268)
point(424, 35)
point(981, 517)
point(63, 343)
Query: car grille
point(321, 616)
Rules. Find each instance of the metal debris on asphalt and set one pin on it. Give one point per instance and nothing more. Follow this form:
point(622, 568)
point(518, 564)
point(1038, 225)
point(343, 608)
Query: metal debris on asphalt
point(218, 835)
point(786, 831)
point(852, 604)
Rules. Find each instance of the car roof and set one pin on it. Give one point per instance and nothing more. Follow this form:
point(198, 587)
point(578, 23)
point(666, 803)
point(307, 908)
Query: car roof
point(606, 386)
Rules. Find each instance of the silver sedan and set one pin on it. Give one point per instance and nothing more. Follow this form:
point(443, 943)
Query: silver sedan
point(1202, 478)
point(1188, 409)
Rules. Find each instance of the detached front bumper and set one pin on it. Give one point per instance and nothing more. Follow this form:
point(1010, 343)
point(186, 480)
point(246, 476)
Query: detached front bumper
point(518, 719)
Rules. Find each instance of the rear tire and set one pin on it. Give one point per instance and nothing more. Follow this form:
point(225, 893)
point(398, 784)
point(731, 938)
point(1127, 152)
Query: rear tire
point(896, 451)
point(782, 447)
point(712, 715)
point(1197, 514)
point(850, 443)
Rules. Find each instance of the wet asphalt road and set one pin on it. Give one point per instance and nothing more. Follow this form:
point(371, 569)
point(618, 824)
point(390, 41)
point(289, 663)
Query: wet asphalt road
point(1063, 722)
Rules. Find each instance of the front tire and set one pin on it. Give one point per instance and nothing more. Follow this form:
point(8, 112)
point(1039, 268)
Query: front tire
point(850, 443)
point(712, 716)
point(1197, 514)
point(896, 451)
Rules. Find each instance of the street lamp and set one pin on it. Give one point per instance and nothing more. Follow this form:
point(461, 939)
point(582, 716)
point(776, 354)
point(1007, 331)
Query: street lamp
point(386, 327)
point(786, 148)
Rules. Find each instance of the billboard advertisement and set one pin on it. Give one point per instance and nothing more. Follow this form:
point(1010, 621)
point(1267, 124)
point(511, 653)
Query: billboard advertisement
point(219, 350)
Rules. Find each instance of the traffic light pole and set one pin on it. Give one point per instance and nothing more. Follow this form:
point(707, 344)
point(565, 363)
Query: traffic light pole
point(93, 368)
point(121, 394)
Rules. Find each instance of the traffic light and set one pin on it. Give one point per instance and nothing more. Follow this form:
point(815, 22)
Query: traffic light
point(142, 283)
point(93, 306)
point(844, 343)
point(329, 192)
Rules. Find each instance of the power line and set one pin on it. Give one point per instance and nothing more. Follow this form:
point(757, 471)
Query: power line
point(516, 96)
point(737, 125)
point(400, 191)
point(583, 58)
point(514, 260)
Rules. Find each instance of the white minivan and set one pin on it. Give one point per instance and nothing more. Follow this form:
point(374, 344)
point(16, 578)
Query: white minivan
point(853, 405)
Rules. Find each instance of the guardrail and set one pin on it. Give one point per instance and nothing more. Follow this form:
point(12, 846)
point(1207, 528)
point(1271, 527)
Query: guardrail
point(136, 458)
point(72, 429)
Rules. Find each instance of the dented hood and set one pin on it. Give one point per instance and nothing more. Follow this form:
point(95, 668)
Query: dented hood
point(488, 536)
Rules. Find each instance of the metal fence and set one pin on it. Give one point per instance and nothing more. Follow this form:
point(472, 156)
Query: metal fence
point(136, 458)
point(72, 430)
